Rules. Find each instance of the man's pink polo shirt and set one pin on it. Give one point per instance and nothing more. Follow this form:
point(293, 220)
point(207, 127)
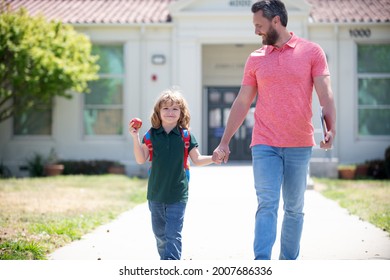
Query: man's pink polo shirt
point(284, 81)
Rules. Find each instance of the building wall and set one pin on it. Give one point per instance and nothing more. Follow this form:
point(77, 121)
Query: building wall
point(197, 42)
point(341, 49)
point(140, 91)
point(143, 83)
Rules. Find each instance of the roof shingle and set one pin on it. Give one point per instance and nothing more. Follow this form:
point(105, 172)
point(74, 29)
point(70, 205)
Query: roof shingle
point(98, 11)
point(156, 11)
point(350, 11)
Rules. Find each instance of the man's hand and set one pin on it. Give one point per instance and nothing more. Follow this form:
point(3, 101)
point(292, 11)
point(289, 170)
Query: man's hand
point(327, 143)
point(221, 153)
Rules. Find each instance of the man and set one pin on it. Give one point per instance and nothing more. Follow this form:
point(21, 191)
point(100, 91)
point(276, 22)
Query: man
point(282, 73)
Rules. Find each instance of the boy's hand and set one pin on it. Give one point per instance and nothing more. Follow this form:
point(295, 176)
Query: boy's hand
point(217, 158)
point(219, 155)
point(136, 123)
point(134, 126)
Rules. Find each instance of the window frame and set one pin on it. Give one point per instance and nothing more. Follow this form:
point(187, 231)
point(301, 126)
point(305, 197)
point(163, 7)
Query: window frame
point(36, 136)
point(113, 106)
point(359, 76)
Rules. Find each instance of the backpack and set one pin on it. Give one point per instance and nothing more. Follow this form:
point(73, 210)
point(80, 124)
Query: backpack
point(185, 134)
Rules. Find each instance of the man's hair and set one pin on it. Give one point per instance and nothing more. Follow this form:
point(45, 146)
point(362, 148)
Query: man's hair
point(272, 8)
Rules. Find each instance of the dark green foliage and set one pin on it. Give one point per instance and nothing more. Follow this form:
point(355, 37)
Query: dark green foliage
point(35, 165)
point(40, 60)
point(86, 167)
point(387, 161)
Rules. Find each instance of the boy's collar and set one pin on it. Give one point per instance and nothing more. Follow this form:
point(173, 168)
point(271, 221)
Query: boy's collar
point(175, 130)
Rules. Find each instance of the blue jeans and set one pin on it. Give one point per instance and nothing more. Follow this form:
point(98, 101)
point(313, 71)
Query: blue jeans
point(167, 224)
point(275, 169)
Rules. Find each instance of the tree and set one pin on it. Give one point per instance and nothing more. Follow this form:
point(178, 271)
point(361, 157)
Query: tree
point(40, 60)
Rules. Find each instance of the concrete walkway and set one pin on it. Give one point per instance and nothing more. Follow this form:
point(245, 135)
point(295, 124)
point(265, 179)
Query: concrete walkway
point(219, 225)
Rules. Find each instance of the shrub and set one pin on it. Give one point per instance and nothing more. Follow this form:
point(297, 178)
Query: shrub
point(376, 169)
point(86, 167)
point(35, 165)
point(5, 172)
point(387, 161)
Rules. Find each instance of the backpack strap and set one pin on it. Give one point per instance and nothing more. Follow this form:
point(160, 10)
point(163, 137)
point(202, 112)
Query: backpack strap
point(185, 134)
point(148, 143)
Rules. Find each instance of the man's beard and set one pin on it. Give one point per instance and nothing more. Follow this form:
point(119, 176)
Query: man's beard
point(270, 37)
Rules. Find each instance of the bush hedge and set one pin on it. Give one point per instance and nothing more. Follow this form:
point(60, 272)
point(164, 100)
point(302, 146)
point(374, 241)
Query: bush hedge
point(86, 167)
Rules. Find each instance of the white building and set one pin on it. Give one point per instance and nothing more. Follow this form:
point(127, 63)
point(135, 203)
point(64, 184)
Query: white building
point(202, 45)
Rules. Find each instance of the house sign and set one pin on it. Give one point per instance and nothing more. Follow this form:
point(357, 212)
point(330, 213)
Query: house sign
point(240, 3)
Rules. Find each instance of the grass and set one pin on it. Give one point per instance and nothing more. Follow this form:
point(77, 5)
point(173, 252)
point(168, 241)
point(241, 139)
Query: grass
point(39, 215)
point(367, 199)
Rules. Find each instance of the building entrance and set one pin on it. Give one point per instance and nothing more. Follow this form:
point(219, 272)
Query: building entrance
point(219, 102)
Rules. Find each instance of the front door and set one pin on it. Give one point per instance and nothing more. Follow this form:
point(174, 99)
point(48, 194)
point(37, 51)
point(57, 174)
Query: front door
point(219, 102)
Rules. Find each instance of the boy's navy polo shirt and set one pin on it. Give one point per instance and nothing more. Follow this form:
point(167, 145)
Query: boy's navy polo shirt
point(167, 180)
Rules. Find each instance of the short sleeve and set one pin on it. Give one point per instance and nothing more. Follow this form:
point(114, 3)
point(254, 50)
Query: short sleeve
point(320, 65)
point(193, 143)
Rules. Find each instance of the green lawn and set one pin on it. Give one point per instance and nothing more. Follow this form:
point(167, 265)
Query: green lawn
point(39, 215)
point(367, 199)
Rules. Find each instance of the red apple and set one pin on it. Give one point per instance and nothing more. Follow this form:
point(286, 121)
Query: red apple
point(137, 123)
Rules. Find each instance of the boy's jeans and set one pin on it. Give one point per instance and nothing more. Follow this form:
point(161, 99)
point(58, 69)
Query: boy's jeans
point(167, 224)
point(272, 168)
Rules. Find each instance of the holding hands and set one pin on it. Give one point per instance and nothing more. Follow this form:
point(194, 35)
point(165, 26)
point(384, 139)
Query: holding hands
point(221, 153)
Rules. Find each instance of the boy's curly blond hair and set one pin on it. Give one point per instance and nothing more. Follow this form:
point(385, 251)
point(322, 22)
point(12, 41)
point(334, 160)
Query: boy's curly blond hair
point(169, 97)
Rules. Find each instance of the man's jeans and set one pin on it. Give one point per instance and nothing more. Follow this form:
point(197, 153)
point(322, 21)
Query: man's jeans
point(167, 224)
point(274, 168)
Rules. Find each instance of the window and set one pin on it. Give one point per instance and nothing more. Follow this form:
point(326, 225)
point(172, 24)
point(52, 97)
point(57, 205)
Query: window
point(374, 90)
point(36, 122)
point(103, 106)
